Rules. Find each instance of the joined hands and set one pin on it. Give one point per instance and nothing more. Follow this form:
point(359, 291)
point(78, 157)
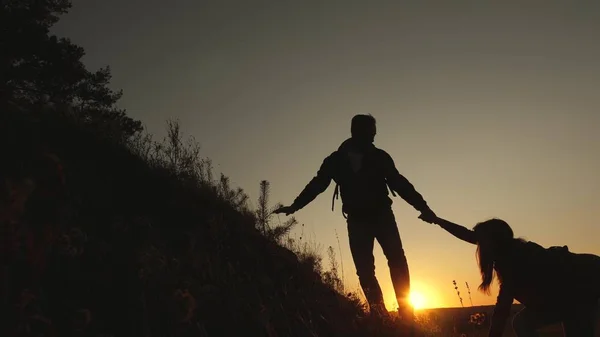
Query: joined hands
point(429, 217)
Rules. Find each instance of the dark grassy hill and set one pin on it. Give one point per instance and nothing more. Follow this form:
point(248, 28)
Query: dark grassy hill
point(140, 240)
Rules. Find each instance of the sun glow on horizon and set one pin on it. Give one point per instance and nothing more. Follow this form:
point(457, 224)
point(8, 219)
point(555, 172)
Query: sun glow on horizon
point(417, 300)
point(421, 297)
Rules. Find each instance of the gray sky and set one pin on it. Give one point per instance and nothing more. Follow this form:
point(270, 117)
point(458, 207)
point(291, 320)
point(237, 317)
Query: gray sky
point(491, 110)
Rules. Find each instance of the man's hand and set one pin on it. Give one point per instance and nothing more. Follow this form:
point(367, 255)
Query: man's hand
point(285, 209)
point(428, 216)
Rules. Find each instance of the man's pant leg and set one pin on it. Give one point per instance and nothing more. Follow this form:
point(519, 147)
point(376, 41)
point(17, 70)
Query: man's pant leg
point(362, 240)
point(386, 232)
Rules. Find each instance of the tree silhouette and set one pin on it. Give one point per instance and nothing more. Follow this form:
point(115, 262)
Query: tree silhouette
point(37, 68)
point(264, 213)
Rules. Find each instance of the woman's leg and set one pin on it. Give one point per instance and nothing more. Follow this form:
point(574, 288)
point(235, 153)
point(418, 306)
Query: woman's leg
point(581, 323)
point(581, 318)
point(527, 321)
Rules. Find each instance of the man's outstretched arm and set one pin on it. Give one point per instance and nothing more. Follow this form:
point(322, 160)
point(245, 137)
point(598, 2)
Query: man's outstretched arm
point(399, 184)
point(316, 186)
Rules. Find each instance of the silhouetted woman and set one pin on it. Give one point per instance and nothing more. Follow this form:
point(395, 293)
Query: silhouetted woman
point(553, 284)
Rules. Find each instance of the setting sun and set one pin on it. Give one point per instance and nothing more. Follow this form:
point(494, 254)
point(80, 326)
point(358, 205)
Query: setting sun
point(417, 300)
point(422, 296)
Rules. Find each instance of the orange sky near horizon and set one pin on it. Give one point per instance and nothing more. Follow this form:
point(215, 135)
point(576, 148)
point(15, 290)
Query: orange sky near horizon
point(489, 109)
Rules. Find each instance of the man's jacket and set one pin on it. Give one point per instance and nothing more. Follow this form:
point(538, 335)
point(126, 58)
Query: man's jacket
point(363, 173)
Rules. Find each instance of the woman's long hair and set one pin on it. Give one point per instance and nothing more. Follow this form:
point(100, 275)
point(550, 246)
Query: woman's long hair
point(492, 235)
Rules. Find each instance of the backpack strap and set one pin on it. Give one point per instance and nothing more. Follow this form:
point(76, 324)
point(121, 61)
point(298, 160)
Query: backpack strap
point(336, 194)
point(391, 190)
point(336, 191)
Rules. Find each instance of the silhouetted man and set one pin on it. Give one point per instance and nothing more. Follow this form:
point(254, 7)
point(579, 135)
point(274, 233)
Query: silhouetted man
point(363, 173)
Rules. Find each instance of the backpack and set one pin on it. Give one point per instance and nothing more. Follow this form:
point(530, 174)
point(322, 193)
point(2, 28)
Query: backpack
point(336, 191)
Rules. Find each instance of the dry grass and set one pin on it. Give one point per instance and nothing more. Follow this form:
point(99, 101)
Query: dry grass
point(147, 242)
point(473, 322)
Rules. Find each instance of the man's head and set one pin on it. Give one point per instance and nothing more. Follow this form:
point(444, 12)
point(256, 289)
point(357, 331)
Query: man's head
point(363, 128)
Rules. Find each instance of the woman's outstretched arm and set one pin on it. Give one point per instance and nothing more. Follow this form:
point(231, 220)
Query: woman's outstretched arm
point(458, 231)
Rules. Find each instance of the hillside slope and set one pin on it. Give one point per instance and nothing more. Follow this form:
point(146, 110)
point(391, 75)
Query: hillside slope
point(142, 243)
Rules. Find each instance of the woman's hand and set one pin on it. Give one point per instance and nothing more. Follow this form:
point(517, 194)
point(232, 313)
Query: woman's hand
point(429, 217)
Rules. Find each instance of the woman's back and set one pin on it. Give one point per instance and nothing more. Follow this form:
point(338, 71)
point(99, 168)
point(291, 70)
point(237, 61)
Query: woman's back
point(541, 276)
